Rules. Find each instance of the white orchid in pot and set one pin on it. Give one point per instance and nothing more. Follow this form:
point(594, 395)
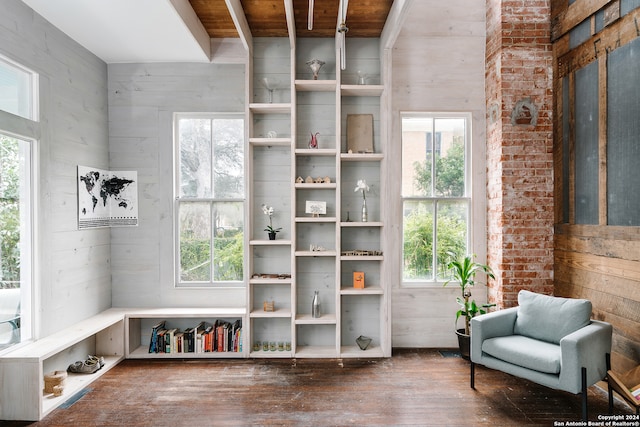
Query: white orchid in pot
point(362, 186)
point(269, 211)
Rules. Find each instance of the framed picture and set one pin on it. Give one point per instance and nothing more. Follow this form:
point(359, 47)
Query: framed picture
point(360, 133)
point(315, 208)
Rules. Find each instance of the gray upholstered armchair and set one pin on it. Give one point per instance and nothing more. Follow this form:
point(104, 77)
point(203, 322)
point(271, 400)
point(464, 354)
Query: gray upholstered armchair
point(549, 340)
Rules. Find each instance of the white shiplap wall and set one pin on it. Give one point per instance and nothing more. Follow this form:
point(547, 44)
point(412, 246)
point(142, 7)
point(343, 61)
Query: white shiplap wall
point(438, 65)
point(142, 100)
point(73, 277)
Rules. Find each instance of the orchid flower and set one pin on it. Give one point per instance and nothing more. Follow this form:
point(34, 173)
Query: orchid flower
point(362, 186)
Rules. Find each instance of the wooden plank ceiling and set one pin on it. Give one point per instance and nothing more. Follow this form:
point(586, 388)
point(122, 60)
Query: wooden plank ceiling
point(266, 18)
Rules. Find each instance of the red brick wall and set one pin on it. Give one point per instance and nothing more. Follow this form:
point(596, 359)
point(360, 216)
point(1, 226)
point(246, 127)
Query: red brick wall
point(519, 156)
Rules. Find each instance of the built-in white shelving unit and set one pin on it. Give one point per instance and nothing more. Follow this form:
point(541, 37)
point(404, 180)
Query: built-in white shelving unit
point(315, 253)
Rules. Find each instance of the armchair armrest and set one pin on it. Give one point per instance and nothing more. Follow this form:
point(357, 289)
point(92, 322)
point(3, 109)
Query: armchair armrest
point(496, 324)
point(585, 348)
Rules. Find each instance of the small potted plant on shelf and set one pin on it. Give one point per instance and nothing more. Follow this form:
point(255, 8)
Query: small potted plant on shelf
point(463, 271)
point(268, 210)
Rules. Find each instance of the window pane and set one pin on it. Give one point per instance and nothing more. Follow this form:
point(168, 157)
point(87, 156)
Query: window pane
point(195, 157)
point(417, 156)
point(449, 152)
point(451, 232)
point(229, 248)
point(15, 238)
point(195, 242)
point(16, 90)
point(418, 240)
point(228, 153)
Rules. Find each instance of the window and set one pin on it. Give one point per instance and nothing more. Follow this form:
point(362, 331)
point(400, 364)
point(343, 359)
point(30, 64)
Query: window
point(435, 193)
point(15, 240)
point(210, 200)
point(18, 110)
point(17, 89)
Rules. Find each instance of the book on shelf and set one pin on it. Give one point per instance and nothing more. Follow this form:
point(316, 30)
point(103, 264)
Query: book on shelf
point(222, 336)
point(153, 342)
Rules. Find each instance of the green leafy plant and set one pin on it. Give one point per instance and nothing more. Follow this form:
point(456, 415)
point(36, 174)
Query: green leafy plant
point(463, 270)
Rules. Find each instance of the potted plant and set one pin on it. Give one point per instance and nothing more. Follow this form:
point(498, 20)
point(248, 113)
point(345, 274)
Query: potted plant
point(463, 271)
point(268, 210)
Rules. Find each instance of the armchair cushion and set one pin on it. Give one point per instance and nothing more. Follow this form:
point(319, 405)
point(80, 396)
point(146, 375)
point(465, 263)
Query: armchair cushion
point(526, 352)
point(550, 318)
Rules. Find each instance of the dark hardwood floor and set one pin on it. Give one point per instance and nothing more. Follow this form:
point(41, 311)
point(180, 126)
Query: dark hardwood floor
point(413, 388)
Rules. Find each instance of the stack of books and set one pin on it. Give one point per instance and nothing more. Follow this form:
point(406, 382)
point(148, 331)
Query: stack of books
point(222, 336)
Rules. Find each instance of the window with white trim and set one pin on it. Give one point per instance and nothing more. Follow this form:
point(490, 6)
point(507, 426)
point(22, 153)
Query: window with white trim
point(210, 199)
point(18, 103)
point(436, 200)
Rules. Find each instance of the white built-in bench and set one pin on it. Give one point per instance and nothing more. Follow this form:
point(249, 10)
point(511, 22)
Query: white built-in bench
point(116, 334)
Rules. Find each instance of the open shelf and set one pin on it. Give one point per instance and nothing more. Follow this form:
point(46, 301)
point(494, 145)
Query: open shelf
point(355, 352)
point(265, 108)
point(316, 152)
point(316, 253)
point(316, 351)
point(281, 312)
point(270, 242)
point(361, 224)
point(307, 319)
point(361, 90)
point(270, 142)
point(316, 85)
point(361, 157)
point(368, 290)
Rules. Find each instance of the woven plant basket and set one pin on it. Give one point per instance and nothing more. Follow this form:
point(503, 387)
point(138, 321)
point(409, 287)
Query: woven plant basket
point(53, 379)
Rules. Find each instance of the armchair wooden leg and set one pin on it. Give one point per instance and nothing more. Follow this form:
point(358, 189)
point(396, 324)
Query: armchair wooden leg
point(473, 372)
point(584, 394)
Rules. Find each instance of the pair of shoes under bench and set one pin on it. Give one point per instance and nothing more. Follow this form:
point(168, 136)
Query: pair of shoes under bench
point(84, 367)
point(98, 359)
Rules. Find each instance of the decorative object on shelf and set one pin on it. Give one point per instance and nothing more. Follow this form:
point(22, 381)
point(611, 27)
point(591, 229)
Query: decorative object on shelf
point(268, 210)
point(308, 180)
point(361, 252)
point(271, 276)
point(57, 390)
point(257, 345)
point(268, 306)
point(315, 208)
point(317, 248)
point(360, 133)
point(299, 180)
point(358, 279)
point(318, 180)
point(271, 84)
point(272, 134)
point(315, 65)
point(363, 342)
point(54, 379)
point(313, 142)
point(362, 77)
point(327, 180)
point(362, 186)
point(315, 305)
point(348, 219)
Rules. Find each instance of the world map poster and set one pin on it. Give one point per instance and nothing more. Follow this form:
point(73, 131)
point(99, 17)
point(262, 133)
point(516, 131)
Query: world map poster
point(107, 198)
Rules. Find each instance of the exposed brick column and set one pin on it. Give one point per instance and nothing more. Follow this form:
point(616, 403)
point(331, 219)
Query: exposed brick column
point(518, 88)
